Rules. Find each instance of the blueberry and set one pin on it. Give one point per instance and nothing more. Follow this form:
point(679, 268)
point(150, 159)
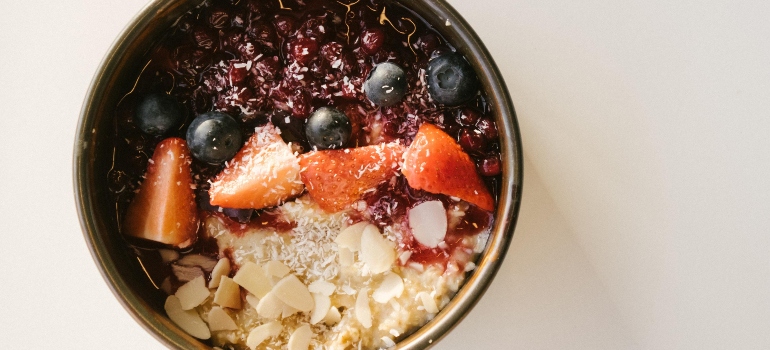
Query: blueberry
point(156, 114)
point(451, 79)
point(241, 215)
point(214, 137)
point(328, 128)
point(386, 84)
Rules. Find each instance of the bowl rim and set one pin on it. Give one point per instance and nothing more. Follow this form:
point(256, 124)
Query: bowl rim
point(474, 286)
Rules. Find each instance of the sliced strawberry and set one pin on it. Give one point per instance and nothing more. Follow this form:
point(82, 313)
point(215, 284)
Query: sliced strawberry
point(264, 173)
point(338, 178)
point(164, 209)
point(434, 162)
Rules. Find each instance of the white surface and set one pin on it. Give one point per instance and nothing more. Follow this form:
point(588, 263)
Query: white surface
point(644, 223)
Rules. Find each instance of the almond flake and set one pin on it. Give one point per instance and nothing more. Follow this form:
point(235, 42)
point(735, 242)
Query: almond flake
point(322, 287)
point(252, 277)
point(428, 222)
point(300, 339)
point(376, 251)
point(193, 293)
point(332, 317)
point(322, 305)
point(219, 320)
point(391, 287)
point(276, 268)
point(206, 263)
point(350, 237)
point(261, 333)
point(294, 293)
point(270, 306)
point(188, 320)
point(362, 310)
point(228, 293)
point(346, 257)
point(288, 311)
point(428, 303)
point(222, 268)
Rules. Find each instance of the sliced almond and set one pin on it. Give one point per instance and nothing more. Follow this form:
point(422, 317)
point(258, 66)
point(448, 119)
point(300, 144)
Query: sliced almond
point(391, 287)
point(376, 252)
point(186, 273)
point(276, 268)
point(300, 339)
point(222, 268)
point(404, 257)
point(270, 306)
point(252, 300)
point(346, 257)
point(428, 222)
point(168, 255)
point(322, 287)
point(362, 310)
point(288, 311)
point(332, 317)
point(350, 237)
point(228, 293)
point(261, 333)
point(219, 320)
point(428, 303)
point(389, 343)
point(205, 262)
point(252, 277)
point(294, 293)
point(321, 307)
point(193, 293)
point(188, 320)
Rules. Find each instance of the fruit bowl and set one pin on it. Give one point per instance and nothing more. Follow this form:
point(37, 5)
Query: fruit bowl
point(94, 157)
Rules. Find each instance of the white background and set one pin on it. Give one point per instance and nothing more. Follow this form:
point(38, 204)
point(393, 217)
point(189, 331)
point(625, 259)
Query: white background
point(645, 217)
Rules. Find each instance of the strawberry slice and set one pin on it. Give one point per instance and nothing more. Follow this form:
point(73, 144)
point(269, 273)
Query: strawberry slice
point(164, 209)
point(264, 173)
point(434, 162)
point(338, 178)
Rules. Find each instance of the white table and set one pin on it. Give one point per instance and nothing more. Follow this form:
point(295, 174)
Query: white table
point(644, 223)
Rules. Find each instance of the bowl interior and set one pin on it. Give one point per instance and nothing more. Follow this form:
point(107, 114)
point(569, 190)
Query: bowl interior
point(93, 159)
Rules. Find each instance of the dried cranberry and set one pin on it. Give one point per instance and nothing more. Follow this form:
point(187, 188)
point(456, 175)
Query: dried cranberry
point(490, 166)
point(268, 67)
point(231, 39)
point(488, 128)
point(263, 34)
point(299, 103)
point(372, 40)
point(471, 140)
point(249, 50)
point(314, 27)
point(303, 50)
point(256, 7)
point(284, 25)
point(467, 116)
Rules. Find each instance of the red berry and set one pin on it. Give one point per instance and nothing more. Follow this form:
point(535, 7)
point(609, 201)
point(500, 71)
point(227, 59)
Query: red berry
point(467, 116)
point(487, 127)
point(372, 40)
point(490, 166)
point(303, 50)
point(471, 140)
point(237, 72)
point(284, 25)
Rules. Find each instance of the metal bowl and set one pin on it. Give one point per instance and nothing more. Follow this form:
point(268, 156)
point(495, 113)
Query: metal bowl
point(93, 157)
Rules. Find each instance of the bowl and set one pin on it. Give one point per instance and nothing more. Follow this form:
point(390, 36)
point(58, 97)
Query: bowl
point(93, 156)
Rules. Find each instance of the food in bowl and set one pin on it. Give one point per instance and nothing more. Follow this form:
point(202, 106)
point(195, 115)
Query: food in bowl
point(318, 175)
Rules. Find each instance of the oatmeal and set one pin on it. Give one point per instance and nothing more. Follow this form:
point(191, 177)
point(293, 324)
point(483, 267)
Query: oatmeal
point(305, 175)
